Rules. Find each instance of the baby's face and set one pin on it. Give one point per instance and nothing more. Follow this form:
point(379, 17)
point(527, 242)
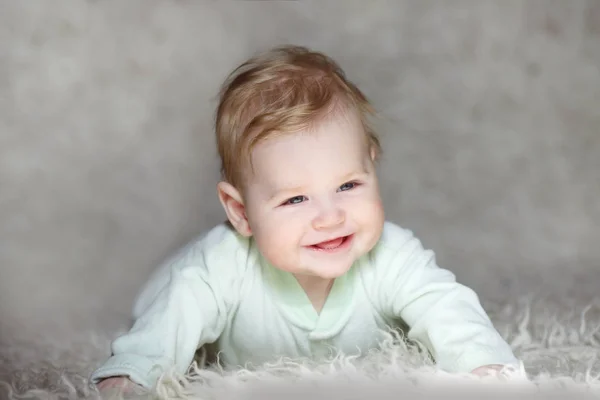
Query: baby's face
point(313, 203)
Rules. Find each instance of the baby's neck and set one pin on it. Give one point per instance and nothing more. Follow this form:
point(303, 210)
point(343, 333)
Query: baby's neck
point(316, 289)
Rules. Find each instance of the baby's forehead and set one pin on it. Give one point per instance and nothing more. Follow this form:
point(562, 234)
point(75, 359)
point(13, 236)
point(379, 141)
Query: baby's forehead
point(303, 169)
point(335, 146)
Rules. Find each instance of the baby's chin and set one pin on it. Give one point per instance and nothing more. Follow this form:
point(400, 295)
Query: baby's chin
point(316, 268)
point(330, 269)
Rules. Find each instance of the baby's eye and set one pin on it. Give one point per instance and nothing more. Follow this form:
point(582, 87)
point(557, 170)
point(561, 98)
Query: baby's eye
point(294, 200)
point(347, 186)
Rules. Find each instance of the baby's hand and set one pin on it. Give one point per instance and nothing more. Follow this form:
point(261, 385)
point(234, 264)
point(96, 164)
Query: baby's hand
point(116, 387)
point(488, 370)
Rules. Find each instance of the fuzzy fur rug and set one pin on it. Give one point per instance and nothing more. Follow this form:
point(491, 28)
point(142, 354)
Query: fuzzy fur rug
point(559, 346)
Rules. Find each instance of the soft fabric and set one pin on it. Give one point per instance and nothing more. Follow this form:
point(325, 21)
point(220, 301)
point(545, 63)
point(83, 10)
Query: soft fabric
point(220, 289)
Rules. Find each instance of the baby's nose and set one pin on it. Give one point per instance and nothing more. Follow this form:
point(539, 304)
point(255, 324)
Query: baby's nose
point(329, 217)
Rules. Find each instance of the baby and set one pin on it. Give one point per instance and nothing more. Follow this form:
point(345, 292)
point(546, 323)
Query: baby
point(306, 261)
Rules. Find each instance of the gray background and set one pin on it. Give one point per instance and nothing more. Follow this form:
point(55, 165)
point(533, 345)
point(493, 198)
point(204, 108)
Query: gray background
point(490, 120)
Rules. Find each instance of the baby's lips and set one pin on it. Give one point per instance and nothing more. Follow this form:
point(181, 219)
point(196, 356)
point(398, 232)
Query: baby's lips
point(331, 244)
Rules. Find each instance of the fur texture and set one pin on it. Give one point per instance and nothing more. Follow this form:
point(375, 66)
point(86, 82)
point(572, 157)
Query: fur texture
point(559, 350)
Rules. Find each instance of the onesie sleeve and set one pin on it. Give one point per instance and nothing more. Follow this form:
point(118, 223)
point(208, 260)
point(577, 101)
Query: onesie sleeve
point(442, 314)
point(187, 312)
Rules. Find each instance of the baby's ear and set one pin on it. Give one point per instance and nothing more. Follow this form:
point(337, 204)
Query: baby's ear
point(373, 153)
point(233, 204)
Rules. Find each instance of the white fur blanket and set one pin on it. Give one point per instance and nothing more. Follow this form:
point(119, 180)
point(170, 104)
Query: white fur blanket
point(559, 348)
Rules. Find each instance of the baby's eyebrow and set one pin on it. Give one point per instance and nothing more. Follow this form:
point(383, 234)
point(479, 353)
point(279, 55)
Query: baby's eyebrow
point(286, 192)
point(355, 174)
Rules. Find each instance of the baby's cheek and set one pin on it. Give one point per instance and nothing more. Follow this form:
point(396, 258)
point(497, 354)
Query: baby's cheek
point(278, 249)
point(373, 218)
point(372, 209)
point(277, 234)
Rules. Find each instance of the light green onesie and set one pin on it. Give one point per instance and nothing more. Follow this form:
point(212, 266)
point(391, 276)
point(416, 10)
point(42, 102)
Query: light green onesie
point(220, 290)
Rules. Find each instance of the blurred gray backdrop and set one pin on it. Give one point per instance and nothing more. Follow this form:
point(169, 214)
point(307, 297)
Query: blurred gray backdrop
point(490, 120)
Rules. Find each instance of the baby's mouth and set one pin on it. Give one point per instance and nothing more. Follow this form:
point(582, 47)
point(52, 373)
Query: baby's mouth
point(331, 244)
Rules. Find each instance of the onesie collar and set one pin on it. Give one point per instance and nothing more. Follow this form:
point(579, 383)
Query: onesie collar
point(295, 305)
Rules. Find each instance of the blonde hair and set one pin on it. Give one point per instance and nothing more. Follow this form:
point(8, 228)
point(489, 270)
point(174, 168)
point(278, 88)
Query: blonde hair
point(284, 90)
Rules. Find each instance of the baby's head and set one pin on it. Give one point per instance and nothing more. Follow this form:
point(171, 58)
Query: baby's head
point(298, 162)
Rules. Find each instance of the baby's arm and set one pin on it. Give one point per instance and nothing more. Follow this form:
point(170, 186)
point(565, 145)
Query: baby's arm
point(442, 314)
point(487, 370)
point(185, 314)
